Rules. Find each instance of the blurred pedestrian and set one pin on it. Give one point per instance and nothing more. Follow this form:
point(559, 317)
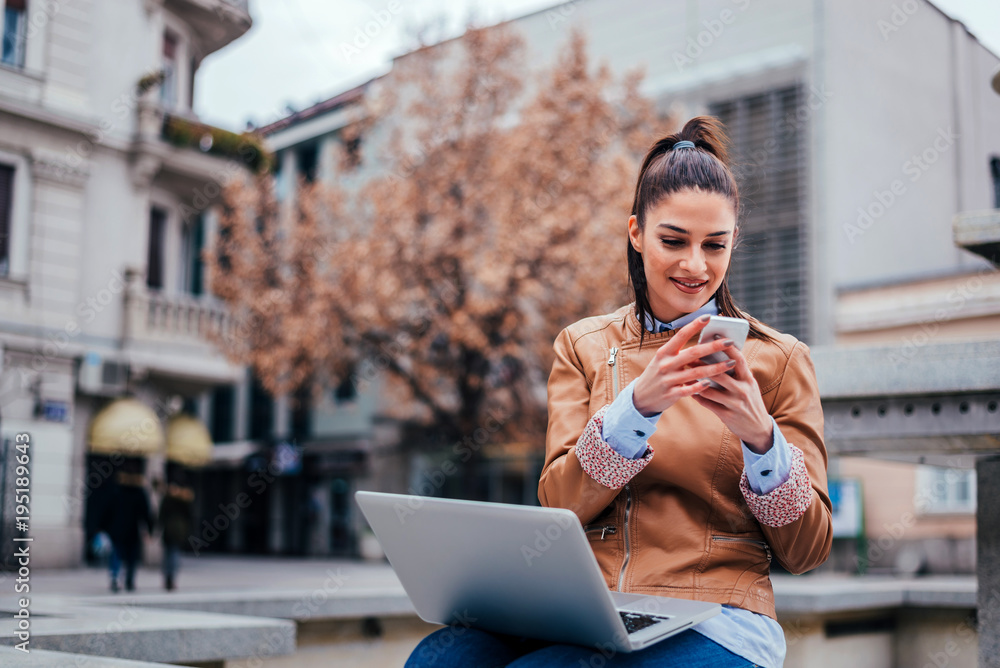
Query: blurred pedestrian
point(176, 516)
point(127, 511)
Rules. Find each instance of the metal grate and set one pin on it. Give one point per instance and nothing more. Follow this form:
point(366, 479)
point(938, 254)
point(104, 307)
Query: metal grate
point(768, 276)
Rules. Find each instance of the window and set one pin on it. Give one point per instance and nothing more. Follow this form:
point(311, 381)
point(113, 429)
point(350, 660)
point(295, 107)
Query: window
point(280, 178)
point(190, 81)
point(168, 89)
point(261, 412)
point(995, 171)
point(193, 242)
point(15, 32)
point(308, 158)
point(157, 238)
point(6, 214)
point(944, 490)
point(768, 276)
point(346, 391)
point(352, 152)
point(299, 412)
point(223, 413)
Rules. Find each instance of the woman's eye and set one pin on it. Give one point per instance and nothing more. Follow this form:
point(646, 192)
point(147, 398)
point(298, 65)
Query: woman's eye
point(717, 246)
point(673, 242)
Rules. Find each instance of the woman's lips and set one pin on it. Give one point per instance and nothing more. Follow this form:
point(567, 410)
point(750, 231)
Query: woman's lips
point(689, 290)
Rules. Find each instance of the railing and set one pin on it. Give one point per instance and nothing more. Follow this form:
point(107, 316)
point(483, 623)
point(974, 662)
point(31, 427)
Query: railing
point(155, 317)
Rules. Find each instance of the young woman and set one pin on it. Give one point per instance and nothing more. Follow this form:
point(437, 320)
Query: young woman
point(686, 490)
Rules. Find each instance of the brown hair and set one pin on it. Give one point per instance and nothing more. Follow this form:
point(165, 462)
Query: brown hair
point(664, 172)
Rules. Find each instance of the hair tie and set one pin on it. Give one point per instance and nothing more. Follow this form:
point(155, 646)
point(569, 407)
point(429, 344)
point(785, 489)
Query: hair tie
point(683, 144)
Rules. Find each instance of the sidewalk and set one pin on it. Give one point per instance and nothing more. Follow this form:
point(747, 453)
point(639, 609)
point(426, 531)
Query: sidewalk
point(215, 573)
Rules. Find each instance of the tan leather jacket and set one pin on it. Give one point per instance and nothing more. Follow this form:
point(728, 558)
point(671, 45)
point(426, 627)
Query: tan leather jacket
point(683, 526)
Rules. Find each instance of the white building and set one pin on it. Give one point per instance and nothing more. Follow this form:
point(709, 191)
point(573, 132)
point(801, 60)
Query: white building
point(106, 179)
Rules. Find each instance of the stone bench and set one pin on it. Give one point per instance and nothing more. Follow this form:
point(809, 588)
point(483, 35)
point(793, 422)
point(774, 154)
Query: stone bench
point(128, 631)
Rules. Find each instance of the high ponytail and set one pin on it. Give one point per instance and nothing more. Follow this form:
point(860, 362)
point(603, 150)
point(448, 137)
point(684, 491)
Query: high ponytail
point(665, 171)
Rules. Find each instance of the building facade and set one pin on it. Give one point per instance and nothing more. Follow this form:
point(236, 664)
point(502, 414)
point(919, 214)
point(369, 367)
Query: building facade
point(106, 185)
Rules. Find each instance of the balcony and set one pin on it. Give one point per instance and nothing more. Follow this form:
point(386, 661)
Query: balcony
point(171, 336)
point(193, 134)
point(184, 155)
point(217, 22)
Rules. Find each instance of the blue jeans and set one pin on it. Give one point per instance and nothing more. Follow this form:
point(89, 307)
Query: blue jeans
point(171, 559)
point(457, 646)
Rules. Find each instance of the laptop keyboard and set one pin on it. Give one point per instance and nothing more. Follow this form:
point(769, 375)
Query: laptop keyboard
point(635, 621)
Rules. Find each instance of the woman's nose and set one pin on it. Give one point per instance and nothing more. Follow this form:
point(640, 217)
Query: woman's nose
point(694, 262)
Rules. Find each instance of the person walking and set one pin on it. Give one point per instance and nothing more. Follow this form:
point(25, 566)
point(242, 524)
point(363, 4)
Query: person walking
point(176, 513)
point(128, 510)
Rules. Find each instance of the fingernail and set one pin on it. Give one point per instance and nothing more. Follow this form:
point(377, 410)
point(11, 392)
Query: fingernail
point(731, 363)
point(727, 343)
point(705, 318)
point(706, 382)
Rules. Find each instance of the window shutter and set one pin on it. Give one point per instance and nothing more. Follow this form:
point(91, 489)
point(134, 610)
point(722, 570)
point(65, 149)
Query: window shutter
point(769, 275)
point(6, 205)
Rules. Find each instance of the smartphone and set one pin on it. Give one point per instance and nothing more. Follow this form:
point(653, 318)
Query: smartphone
point(722, 327)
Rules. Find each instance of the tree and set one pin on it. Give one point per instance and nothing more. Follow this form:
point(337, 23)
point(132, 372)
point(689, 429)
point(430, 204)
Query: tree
point(483, 218)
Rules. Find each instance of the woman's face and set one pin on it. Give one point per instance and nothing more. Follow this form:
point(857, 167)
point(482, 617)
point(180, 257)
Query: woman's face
point(685, 245)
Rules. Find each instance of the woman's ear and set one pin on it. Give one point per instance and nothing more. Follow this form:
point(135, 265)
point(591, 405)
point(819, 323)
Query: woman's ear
point(635, 234)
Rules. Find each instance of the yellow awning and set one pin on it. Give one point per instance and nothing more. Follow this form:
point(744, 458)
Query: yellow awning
point(127, 427)
point(188, 441)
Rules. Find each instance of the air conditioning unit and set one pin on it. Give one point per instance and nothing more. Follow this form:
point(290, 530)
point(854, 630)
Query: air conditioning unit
point(101, 376)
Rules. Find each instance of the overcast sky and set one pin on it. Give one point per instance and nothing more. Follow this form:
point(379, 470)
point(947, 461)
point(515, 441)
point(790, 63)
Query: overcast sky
point(299, 52)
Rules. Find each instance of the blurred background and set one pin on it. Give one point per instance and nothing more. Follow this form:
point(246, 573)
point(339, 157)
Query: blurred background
point(257, 256)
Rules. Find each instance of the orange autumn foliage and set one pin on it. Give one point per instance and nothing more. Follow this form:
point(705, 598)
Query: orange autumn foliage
point(485, 211)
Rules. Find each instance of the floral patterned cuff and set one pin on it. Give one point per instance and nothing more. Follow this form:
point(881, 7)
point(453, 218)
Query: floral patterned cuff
point(600, 461)
point(785, 503)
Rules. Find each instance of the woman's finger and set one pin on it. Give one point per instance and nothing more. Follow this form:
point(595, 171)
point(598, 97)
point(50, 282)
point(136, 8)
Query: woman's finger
point(698, 372)
point(693, 354)
point(683, 335)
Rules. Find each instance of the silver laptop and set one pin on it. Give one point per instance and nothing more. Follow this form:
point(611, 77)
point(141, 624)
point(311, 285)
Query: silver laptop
point(524, 571)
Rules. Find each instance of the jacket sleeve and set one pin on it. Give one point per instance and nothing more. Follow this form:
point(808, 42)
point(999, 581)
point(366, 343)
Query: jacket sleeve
point(582, 472)
point(796, 516)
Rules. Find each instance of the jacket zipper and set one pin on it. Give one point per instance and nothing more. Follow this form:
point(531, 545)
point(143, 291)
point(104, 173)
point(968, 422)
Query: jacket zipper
point(613, 363)
point(734, 539)
point(614, 372)
point(628, 508)
point(607, 529)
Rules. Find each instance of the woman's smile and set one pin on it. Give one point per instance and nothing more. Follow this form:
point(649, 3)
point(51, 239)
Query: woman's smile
point(689, 286)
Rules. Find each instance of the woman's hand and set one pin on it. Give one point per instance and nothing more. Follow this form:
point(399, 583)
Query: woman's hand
point(739, 405)
point(673, 372)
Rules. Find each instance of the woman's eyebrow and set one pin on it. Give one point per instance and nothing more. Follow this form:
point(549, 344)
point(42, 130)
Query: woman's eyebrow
point(681, 230)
